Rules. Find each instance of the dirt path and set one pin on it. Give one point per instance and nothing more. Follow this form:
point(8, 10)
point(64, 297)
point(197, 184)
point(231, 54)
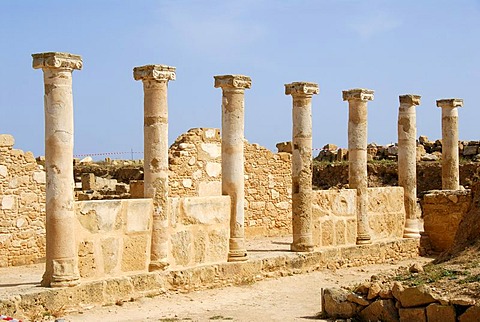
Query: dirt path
point(292, 298)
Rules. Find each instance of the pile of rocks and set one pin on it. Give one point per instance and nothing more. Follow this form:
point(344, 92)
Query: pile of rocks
point(375, 301)
point(426, 151)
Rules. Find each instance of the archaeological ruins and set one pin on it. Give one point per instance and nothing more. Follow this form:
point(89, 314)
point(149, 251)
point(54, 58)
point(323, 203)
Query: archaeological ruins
point(187, 222)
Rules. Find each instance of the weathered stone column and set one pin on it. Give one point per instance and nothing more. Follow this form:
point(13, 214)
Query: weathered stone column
point(450, 170)
point(357, 155)
point(61, 267)
point(233, 90)
point(302, 93)
point(155, 139)
point(407, 161)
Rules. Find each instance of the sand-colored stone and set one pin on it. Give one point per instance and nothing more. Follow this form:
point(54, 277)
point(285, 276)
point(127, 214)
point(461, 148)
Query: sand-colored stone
point(450, 170)
point(155, 129)
point(440, 313)
point(407, 161)
point(233, 90)
point(61, 267)
point(302, 93)
point(357, 155)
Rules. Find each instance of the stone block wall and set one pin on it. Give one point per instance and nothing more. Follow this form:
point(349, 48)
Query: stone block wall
point(199, 230)
point(442, 212)
point(335, 221)
point(113, 236)
point(195, 170)
point(22, 206)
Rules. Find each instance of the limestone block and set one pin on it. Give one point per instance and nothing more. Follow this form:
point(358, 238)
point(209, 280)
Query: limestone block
point(97, 216)
point(199, 246)
point(181, 244)
point(187, 183)
point(470, 150)
point(340, 233)
point(471, 314)
point(40, 177)
point(3, 171)
point(209, 134)
point(110, 253)
point(336, 305)
point(139, 214)
point(6, 140)
point(9, 202)
point(28, 198)
point(209, 151)
point(285, 147)
point(213, 169)
point(218, 245)
point(335, 202)
point(135, 250)
point(86, 259)
point(414, 296)
point(205, 210)
point(137, 188)
point(380, 310)
point(327, 233)
point(440, 313)
point(412, 314)
point(209, 188)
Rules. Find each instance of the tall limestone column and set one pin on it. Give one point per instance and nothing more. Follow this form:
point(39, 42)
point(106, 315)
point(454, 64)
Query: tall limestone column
point(233, 90)
point(61, 267)
point(407, 161)
point(450, 170)
point(357, 155)
point(302, 93)
point(155, 139)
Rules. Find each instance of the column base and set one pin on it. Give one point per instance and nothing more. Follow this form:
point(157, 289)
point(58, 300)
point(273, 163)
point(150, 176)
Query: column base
point(158, 266)
point(61, 273)
point(364, 239)
point(60, 282)
point(301, 247)
point(238, 255)
point(411, 229)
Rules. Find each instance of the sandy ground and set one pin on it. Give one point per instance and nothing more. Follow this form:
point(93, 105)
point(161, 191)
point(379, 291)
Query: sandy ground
point(291, 298)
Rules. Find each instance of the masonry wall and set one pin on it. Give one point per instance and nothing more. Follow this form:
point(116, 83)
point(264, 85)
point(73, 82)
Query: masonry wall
point(335, 222)
point(442, 212)
point(195, 170)
point(199, 230)
point(22, 206)
point(113, 236)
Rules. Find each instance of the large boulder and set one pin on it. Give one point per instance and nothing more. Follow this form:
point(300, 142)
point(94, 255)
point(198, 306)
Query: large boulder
point(336, 305)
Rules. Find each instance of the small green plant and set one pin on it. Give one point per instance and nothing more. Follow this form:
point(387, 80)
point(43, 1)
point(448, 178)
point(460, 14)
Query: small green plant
point(220, 317)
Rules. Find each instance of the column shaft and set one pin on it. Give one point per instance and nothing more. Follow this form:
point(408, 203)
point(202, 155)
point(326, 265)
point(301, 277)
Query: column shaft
point(407, 161)
point(450, 163)
point(357, 156)
point(233, 88)
point(302, 164)
point(61, 266)
point(155, 131)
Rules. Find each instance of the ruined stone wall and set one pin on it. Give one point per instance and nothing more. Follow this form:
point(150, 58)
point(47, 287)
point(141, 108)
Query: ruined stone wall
point(335, 221)
point(199, 230)
point(442, 212)
point(195, 170)
point(113, 237)
point(22, 206)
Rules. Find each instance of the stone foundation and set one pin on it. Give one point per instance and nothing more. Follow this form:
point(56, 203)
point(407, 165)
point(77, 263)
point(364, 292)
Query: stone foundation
point(113, 290)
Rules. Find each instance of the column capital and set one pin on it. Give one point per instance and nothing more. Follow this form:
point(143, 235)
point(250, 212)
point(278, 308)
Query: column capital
point(361, 94)
point(301, 88)
point(450, 102)
point(154, 72)
point(233, 81)
point(56, 60)
point(410, 99)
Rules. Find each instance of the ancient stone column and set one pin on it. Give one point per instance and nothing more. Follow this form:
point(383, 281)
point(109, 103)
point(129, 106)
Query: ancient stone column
point(407, 161)
point(155, 139)
point(61, 267)
point(233, 90)
point(450, 170)
point(302, 93)
point(357, 155)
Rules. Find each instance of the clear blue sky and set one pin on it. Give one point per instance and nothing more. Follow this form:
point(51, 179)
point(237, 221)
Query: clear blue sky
point(429, 47)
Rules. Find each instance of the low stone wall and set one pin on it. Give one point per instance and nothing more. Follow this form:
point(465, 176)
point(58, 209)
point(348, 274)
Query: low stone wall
point(22, 206)
point(335, 221)
point(117, 289)
point(113, 236)
point(199, 230)
point(393, 302)
point(442, 212)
